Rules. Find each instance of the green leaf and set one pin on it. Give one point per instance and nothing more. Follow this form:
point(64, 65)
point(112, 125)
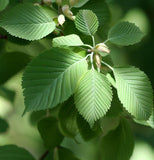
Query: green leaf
point(150, 121)
point(11, 63)
point(65, 154)
point(12, 152)
point(86, 22)
point(134, 91)
point(108, 124)
point(60, 153)
point(124, 34)
point(70, 40)
point(93, 96)
point(86, 132)
point(102, 11)
point(51, 78)
point(81, 3)
point(119, 143)
point(49, 131)
point(35, 117)
point(67, 118)
point(27, 21)
point(3, 125)
point(3, 4)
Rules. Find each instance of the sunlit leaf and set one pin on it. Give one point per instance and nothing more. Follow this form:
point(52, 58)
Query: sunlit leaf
point(70, 40)
point(93, 96)
point(51, 78)
point(134, 91)
point(27, 21)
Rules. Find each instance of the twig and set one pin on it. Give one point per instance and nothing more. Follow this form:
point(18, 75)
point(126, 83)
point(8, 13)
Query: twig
point(44, 155)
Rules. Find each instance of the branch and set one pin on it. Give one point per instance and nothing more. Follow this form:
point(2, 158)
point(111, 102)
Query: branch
point(44, 155)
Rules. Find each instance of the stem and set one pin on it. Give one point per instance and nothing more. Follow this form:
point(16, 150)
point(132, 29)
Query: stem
point(106, 41)
point(44, 155)
point(87, 45)
point(48, 113)
point(108, 65)
point(54, 153)
point(93, 39)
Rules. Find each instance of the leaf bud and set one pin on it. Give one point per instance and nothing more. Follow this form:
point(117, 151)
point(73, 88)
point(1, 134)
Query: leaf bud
point(61, 19)
point(67, 12)
point(101, 47)
point(98, 60)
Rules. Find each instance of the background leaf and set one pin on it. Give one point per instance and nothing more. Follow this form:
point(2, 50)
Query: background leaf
point(65, 154)
point(51, 78)
point(70, 40)
point(125, 33)
point(86, 132)
point(67, 118)
point(93, 96)
point(7, 93)
point(86, 22)
point(3, 125)
point(3, 4)
point(27, 21)
point(11, 63)
point(119, 143)
point(12, 152)
point(49, 131)
point(134, 91)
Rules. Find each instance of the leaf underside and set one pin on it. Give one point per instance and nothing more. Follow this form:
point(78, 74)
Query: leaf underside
point(134, 91)
point(70, 40)
point(93, 96)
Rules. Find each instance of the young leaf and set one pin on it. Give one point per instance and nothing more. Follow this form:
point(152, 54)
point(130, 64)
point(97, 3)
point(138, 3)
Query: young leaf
point(3, 126)
point(86, 22)
point(119, 143)
point(27, 21)
point(134, 91)
point(51, 78)
point(70, 40)
point(3, 4)
point(12, 152)
point(67, 118)
point(87, 133)
point(93, 96)
point(49, 131)
point(124, 34)
point(102, 11)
